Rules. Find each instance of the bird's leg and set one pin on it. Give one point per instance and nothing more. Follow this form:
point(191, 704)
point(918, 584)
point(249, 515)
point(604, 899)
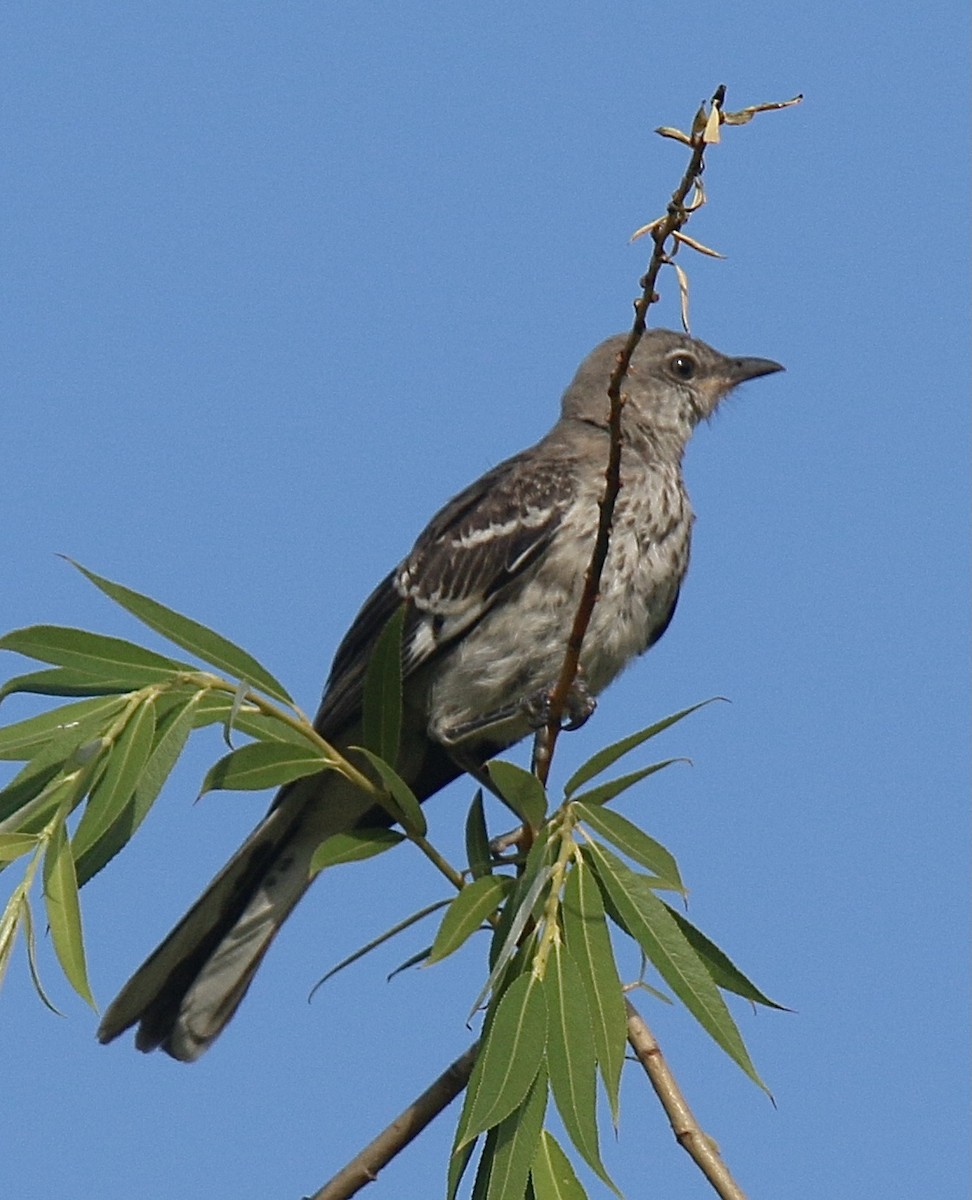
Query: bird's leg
point(578, 707)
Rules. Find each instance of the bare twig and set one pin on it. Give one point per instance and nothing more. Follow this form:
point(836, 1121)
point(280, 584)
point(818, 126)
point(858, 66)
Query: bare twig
point(661, 230)
point(364, 1167)
point(686, 1128)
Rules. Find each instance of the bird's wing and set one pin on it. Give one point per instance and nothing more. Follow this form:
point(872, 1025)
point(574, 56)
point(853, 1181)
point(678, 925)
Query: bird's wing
point(470, 553)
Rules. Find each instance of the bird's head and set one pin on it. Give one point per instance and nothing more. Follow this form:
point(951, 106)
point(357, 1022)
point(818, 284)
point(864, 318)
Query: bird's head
point(674, 382)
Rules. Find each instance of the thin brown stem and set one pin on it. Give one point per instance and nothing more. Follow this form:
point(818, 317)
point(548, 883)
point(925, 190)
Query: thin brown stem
point(676, 216)
point(364, 1167)
point(688, 1132)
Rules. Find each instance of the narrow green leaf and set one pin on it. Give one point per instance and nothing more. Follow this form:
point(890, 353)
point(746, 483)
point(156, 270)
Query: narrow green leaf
point(354, 846)
point(9, 924)
point(64, 912)
point(525, 899)
point(126, 762)
point(589, 943)
point(262, 765)
point(69, 723)
point(30, 941)
point(27, 785)
point(610, 754)
point(516, 1143)
point(458, 1162)
point(483, 1167)
point(521, 791)
point(570, 1056)
point(380, 940)
point(634, 842)
point(61, 791)
point(210, 646)
point(468, 911)
point(667, 948)
point(723, 970)
point(410, 813)
point(605, 792)
point(477, 838)
point(509, 1060)
point(552, 1175)
point(413, 960)
point(14, 845)
point(67, 681)
point(506, 942)
point(93, 653)
point(171, 733)
point(381, 712)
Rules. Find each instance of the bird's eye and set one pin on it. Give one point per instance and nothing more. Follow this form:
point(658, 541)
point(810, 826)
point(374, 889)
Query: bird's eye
point(683, 365)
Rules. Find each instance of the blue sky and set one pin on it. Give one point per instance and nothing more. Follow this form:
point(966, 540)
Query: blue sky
point(277, 280)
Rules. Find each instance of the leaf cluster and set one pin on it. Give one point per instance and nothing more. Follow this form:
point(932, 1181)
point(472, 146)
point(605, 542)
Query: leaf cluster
point(107, 753)
point(554, 1026)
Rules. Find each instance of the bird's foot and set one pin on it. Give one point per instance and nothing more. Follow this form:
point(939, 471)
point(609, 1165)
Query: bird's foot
point(578, 707)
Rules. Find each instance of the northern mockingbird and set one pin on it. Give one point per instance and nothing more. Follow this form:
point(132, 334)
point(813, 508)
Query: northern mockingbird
point(491, 588)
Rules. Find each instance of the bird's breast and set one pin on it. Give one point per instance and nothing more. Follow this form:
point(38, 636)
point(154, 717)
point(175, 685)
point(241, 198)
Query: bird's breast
point(518, 647)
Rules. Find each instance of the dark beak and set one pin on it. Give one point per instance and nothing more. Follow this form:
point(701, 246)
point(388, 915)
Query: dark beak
point(741, 369)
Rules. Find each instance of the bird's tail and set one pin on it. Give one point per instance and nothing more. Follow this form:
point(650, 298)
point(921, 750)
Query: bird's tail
point(187, 990)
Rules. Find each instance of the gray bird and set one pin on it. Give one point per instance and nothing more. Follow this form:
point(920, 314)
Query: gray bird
point(491, 588)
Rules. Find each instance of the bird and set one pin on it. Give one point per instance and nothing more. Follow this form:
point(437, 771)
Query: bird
point(489, 589)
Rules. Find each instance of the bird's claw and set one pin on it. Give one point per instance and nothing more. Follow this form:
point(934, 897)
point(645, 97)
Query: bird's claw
point(578, 707)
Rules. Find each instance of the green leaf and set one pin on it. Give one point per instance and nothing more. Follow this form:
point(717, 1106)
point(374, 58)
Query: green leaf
point(610, 754)
point(210, 646)
point(477, 838)
point(93, 653)
point(66, 681)
point(263, 765)
point(506, 943)
point(171, 733)
point(68, 724)
point(413, 960)
point(656, 931)
point(605, 792)
point(26, 786)
point(570, 1056)
point(522, 791)
point(61, 791)
point(396, 929)
point(458, 1162)
point(354, 846)
point(524, 900)
point(30, 941)
point(509, 1060)
point(481, 1182)
point(723, 970)
point(112, 792)
point(589, 943)
point(14, 845)
point(516, 1143)
point(467, 912)
point(381, 711)
point(64, 912)
point(409, 814)
point(634, 842)
point(552, 1175)
point(9, 924)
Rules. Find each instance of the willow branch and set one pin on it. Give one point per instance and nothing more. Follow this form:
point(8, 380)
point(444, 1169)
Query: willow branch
point(364, 1167)
point(688, 1133)
point(676, 216)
